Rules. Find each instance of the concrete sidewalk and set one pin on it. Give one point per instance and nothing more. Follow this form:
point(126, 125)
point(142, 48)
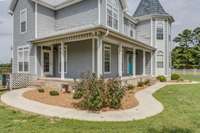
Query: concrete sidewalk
point(148, 106)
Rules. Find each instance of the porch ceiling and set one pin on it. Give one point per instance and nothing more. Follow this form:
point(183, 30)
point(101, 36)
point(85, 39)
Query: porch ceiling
point(88, 33)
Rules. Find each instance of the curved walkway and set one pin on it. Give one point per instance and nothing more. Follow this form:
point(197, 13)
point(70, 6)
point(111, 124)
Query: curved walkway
point(148, 106)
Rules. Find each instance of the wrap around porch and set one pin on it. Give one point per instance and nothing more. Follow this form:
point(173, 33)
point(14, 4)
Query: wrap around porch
point(94, 52)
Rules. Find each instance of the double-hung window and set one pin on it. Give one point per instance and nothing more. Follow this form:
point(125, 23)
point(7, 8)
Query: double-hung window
point(107, 58)
point(113, 14)
point(65, 59)
point(160, 59)
point(160, 31)
point(23, 21)
point(23, 59)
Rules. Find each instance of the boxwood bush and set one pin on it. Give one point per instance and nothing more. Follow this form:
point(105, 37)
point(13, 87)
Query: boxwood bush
point(40, 90)
point(54, 93)
point(175, 76)
point(162, 78)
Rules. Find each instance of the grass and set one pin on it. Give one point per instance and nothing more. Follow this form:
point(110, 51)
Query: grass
point(181, 115)
point(191, 77)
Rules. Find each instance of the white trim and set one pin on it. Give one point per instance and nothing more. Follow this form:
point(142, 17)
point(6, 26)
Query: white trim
point(144, 62)
point(12, 45)
point(110, 51)
point(50, 62)
point(163, 26)
point(26, 20)
point(167, 49)
point(120, 60)
point(36, 19)
point(99, 11)
point(62, 61)
point(99, 57)
point(152, 58)
point(112, 17)
point(36, 61)
point(42, 61)
point(152, 31)
point(36, 35)
point(23, 50)
point(59, 59)
point(93, 56)
point(57, 7)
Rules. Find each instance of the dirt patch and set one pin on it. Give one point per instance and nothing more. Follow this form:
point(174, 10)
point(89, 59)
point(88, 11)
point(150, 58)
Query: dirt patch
point(66, 99)
point(63, 100)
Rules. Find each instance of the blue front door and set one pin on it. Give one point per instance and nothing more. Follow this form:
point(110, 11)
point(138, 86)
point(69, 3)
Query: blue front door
point(130, 64)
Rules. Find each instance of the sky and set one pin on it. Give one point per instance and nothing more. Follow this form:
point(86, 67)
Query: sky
point(185, 12)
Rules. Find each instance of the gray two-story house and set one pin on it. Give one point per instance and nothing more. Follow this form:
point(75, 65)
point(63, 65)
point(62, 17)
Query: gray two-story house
point(62, 39)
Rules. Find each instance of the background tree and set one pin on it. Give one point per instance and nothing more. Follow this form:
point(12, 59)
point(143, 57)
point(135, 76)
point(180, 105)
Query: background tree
point(187, 52)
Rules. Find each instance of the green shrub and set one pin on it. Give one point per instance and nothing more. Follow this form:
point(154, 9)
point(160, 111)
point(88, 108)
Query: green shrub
point(41, 90)
point(115, 93)
point(79, 90)
point(175, 76)
point(162, 78)
point(54, 93)
point(147, 82)
point(98, 93)
point(140, 84)
point(93, 97)
point(130, 87)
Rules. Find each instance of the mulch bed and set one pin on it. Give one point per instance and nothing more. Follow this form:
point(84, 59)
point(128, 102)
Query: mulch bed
point(66, 99)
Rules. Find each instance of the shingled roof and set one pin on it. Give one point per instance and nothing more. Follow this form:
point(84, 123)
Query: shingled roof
point(149, 7)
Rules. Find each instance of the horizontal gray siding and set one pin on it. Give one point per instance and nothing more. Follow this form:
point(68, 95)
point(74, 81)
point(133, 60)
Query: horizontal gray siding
point(23, 39)
point(80, 14)
point(46, 21)
point(143, 32)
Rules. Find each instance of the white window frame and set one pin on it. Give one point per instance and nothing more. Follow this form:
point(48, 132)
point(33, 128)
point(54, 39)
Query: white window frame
point(110, 54)
point(158, 25)
point(59, 59)
point(160, 54)
point(21, 20)
point(23, 49)
point(113, 11)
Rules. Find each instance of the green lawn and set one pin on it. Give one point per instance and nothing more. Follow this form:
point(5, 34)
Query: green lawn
point(181, 115)
point(192, 77)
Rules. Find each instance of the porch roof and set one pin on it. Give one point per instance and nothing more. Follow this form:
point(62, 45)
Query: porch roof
point(87, 32)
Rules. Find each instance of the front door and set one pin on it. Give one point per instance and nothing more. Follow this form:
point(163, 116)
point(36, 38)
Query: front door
point(47, 62)
point(130, 64)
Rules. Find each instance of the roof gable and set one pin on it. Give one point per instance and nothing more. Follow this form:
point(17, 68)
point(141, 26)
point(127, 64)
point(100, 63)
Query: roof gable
point(149, 7)
point(56, 4)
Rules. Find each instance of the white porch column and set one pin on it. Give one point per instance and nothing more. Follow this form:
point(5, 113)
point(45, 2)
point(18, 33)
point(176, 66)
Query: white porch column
point(42, 61)
point(144, 63)
point(62, 62)
point(120, 58)
point(99, 57)
point(151, 63)
point(93, 56)
point(134, 62)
